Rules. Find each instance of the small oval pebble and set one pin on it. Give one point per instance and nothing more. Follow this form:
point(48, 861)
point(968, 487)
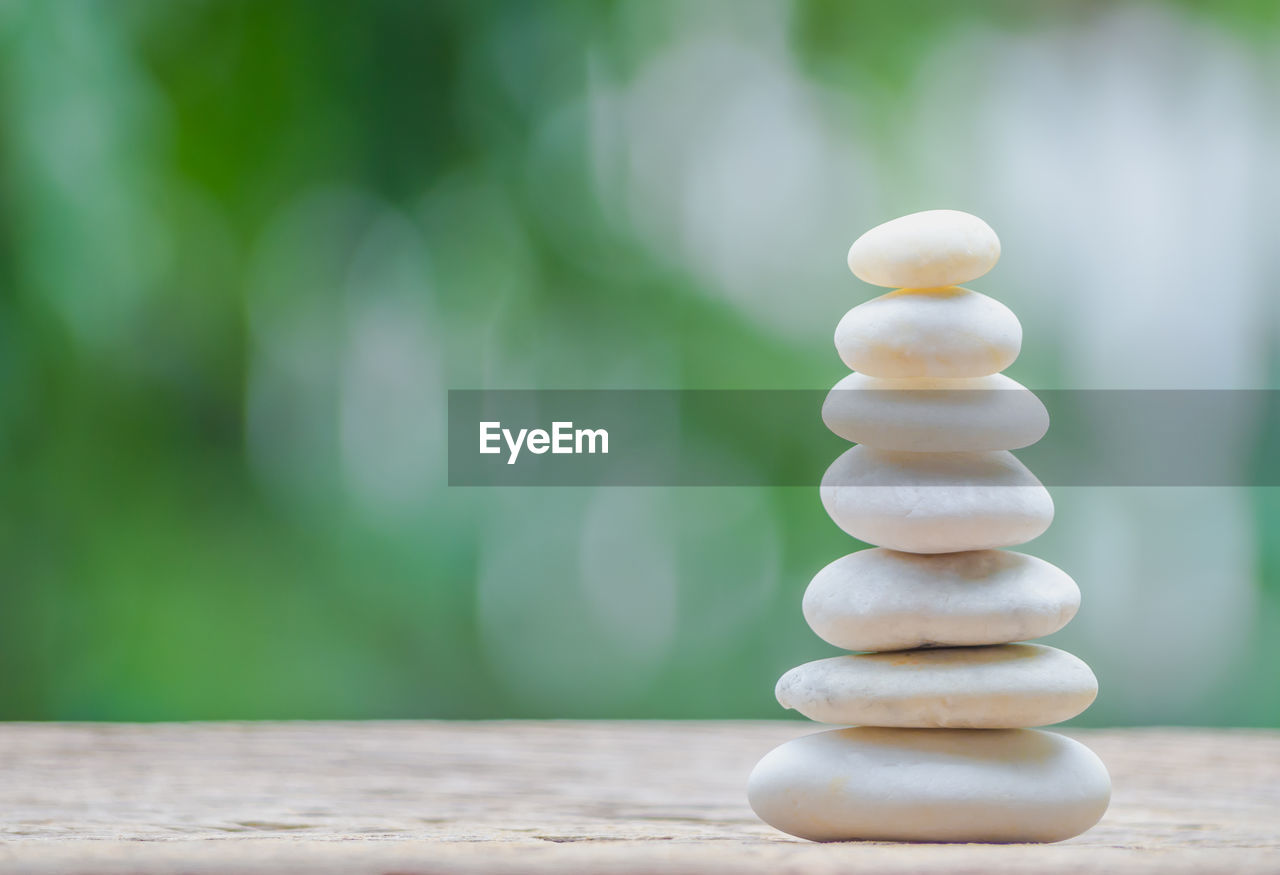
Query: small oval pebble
point(925, 250)
point(947, 332)
point(913, 785)
point(1007, 686)
point(935, 502)
point(881, 599)
point(930, 415)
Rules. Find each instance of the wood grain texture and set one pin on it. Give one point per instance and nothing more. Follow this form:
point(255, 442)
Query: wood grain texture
point(420, 797)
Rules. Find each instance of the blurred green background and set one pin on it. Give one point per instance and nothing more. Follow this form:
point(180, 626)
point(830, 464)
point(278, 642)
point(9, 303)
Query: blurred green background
point(247, 247)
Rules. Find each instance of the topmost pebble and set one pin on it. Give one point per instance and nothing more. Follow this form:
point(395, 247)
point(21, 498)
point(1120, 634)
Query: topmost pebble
point(925, 250)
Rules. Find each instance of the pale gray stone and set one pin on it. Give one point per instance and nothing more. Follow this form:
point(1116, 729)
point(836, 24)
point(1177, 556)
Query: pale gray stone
point(934, 415)
point(921, 785)
point(1005, 686)
point(935, 502)
point(946, 332)
point(925, 250)
point(883, 599)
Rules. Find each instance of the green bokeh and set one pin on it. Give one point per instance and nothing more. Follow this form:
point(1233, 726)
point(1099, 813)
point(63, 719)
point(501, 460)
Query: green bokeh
point(193, 195)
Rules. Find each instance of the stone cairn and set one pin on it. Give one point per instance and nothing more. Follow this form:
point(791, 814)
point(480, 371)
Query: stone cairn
point(936, 696)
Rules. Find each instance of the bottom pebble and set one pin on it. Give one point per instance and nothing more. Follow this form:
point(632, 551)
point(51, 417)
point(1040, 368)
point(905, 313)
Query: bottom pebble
point(931, 785)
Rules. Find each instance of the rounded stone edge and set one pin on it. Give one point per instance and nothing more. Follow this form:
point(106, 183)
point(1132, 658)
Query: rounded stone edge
point(855, 350)
point(877, 243)
point(833, 576)
point(1086, 818)
point(992, 395)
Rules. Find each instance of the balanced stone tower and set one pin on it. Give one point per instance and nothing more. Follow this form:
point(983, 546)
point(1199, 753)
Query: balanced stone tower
point(936, 696)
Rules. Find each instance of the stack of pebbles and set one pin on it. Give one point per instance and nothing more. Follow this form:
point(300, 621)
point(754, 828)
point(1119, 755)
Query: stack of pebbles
point(937, 697)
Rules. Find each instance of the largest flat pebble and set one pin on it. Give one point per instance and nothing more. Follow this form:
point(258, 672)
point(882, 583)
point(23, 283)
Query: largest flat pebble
point(1007, 686)
point(935, 502)
point(921, 785)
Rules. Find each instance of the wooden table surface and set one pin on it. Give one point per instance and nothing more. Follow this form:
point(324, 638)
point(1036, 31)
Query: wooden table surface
point(522, 797)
